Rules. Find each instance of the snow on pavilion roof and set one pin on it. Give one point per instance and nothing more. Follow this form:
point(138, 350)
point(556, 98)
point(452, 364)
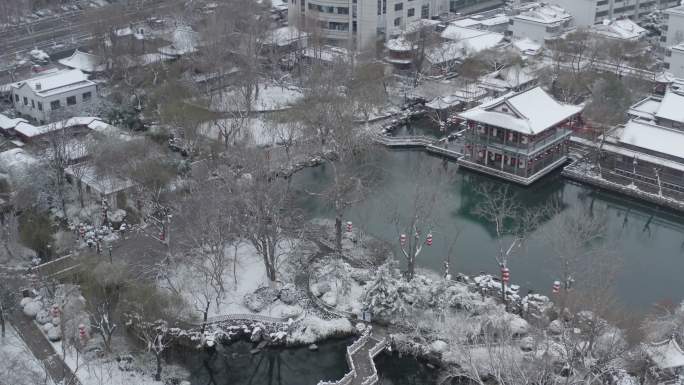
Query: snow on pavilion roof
point(528, 112)
point(651, 137)
point(666, 354)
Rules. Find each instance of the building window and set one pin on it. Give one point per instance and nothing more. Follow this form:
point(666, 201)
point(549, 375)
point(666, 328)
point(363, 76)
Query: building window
point(425, 11)
point(55, 105)
point(397, 21)
point(40, 106)
point(343, 10)
point(398, 7)
point(411, 12)
point(25, 101)
point(16, 98)
point(87, 96)
point(668, 53)
point(384, 7)
point(71, 100)
point(33, 104)
point(666, 65)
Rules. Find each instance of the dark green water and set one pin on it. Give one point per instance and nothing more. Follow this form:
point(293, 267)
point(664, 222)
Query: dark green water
point(648, 241)
point(234, 365)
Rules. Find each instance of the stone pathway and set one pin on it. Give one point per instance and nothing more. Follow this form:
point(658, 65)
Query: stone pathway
point(42, 349)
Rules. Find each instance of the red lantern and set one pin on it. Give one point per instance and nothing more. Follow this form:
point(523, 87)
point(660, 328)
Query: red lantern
point(556, 287)
point(82, 332)
point(402, 240)
point(505, 274)
point(81, 231)
point(428, 240)
point(349, 227)
point(55, 312)
point(161, 236)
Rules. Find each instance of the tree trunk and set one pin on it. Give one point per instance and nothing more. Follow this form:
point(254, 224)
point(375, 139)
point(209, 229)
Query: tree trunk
point(2, 323)
point(157, 376)
point(205, 316)
point(338, 234)
point(411, 268)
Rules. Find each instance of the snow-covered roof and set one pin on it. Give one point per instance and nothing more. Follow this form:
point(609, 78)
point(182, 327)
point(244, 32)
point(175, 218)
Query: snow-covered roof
point(459, 96)
point(56, 82)
point(83, 61)
point(399, 44)
point(671, 107)
point(650, 137)
point(665, 354)
point(104, 185)
point(454, 32)
point(624, 29)
point(465, 23)
point(545, 14)
point(507, 78)
point(529, 112)
point(645, 108)
point(327, 53)
point(183, 41)
point(496, 20)
point(527, 46)
point(285, 36)
point(678, 9)
point(30, 131)
point(455, 50)
point(419, 25)
point(7, 123)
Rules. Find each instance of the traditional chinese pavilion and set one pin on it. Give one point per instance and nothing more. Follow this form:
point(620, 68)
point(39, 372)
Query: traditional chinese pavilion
point(520, 136)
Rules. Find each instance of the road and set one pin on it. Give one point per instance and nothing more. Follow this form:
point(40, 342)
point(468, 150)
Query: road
point(72, 28)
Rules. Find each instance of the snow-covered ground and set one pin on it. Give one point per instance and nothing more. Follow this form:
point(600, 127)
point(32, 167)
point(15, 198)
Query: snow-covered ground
point(250, 273)
point(18, 366)
point(252, 131)
point(270, 98)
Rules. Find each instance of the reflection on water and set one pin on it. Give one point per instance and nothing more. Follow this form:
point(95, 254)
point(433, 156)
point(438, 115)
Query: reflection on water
point(649, 239)
point(235, 365)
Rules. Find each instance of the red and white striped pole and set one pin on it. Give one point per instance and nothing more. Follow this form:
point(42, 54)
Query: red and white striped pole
point(428, 240)
point(556, 287)
point(349, 227)
point(505, 274)
point(402, 240)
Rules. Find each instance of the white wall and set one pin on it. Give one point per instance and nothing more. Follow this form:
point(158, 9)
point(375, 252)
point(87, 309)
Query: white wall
point(45, 115)
point(522, 28)
point(583, 11)
point(675, 30)
point(676, 63)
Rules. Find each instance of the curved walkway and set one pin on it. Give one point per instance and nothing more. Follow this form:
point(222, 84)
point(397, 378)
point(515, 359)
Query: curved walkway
point(360, 356)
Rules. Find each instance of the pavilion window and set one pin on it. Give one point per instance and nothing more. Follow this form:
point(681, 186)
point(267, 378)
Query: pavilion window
point(524, 139)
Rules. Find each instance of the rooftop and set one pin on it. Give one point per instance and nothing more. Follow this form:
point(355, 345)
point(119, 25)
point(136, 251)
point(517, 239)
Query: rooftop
point(285, 36)
point(462, 48)
point(623, 29)
point(545, 14)
point(528, 112)
point(104, 185)
point(650, 136)
point(678, 10)
point(7, 123)
point(671, 107)
point(666, 354)
point(28, 130)
point(83, 61)
point(55, 82)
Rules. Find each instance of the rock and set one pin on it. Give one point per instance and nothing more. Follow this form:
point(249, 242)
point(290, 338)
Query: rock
point(255, 351)
point(254, 302)
point(125, 362)
point(526, 344)
point(262, 344)
point(54, 334)
point(185, 383)
point(291, 311)
point(288, 295)
point(360, 327)
point(439, 346)
point(24, 301)
point(47, 327)
point(555, 327)
point(313, 347)
point(330, 298)
point(257, 334)
point(32, 308)
point(318, 289)
point(43, 317)
point(56, 321)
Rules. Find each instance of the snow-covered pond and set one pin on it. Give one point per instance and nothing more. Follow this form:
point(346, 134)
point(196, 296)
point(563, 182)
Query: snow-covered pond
point(649, 240)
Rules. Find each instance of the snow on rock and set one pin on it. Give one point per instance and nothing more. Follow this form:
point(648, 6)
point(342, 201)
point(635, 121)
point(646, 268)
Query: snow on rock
point(288, 294)
point(54, 334)
point(318, 289)
point(32, 308)
point(555, 327)
point(24, 301)
point(312, 329)
point(43, 317)
point(439, 346)
point(330, 298)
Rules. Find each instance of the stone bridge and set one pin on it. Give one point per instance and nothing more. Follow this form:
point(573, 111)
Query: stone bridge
point(360, 357)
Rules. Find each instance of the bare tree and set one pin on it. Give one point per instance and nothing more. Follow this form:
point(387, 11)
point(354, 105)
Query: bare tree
point(500, 207)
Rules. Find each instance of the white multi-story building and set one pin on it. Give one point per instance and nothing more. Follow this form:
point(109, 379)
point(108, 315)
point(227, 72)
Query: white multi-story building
point(590, 12)
point(674, 60)
point(41, 97)
point(674, 30)
point(541, 23)
point(359, 24)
